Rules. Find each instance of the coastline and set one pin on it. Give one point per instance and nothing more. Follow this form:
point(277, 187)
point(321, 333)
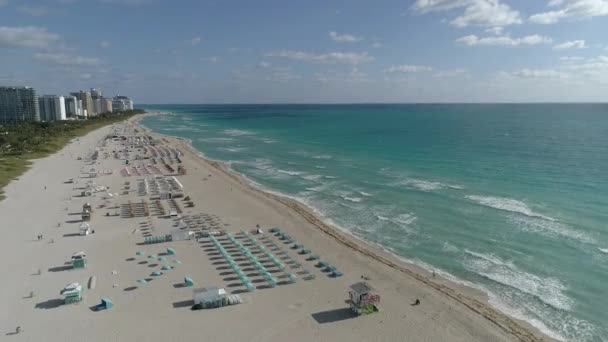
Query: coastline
point(472, 298)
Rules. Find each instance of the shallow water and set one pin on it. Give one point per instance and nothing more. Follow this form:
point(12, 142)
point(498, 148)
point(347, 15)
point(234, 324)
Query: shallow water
point(511, 198)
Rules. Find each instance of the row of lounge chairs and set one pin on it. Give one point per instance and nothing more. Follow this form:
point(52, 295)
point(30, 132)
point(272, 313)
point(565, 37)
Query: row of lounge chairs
point(332, 271)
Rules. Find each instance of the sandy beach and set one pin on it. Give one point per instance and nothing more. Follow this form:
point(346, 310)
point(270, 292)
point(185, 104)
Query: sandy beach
point(42, 202)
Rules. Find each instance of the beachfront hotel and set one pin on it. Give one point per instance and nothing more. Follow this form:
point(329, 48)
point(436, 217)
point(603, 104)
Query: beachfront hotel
point(52, 108)
point(122, 103)
point(18, 104)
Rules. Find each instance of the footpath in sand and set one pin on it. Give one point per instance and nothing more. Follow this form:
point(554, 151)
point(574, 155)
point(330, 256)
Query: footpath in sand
point(313, 308)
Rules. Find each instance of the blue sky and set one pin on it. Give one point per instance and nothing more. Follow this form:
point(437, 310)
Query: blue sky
point(184, 51)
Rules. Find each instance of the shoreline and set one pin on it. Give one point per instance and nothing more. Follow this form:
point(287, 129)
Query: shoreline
point(473, 298)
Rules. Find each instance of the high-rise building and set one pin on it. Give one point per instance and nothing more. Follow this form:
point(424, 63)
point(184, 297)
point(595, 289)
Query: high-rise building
point(19, 104)
point(97, 106)
point(96, 93)
point(87, 101)
point(122, 102)
point(71, 106)
point(52, 108)
point(106, 105)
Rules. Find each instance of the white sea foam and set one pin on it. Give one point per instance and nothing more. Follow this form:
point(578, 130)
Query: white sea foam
point(549, 228)
point(551, 291)
point(330, 177)
point(352, 199)
point(507, 204)
point(322, 156)
point(216, 140)
point(237, 132)
point(291, 173)
point(448, 247)
point(603, 250)
point(312, 177)
point(269, 141)
point(363, 193)
point(233, 149)
point(319, 167)
point(425, 185)
point(405, 219)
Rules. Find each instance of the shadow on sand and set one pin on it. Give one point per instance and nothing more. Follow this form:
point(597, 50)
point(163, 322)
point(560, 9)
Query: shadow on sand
point(332, 316)
point(50, 304)
point(183, 304)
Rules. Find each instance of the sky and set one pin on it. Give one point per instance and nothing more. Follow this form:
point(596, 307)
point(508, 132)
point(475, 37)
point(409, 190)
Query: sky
point(313, 51)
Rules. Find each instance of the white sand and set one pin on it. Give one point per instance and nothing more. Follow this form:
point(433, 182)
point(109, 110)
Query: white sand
point(306, 311)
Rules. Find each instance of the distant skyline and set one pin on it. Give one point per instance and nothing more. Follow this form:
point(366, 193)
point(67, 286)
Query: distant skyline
point(348, 51)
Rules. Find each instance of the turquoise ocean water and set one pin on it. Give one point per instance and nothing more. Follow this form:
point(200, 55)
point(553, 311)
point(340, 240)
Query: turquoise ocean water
point(510, 198)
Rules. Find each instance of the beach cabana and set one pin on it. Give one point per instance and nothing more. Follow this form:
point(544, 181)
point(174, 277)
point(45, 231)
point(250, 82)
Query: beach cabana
point(209, 295)
point(79, 260)
point(72, 293)
point(105, 304)
point(85, 229)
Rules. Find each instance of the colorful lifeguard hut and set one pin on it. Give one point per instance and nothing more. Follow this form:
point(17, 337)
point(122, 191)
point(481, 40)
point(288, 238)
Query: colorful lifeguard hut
point(363, 299)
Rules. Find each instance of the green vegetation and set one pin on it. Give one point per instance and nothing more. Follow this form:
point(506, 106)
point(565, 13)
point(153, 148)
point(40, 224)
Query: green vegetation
point(22, 142)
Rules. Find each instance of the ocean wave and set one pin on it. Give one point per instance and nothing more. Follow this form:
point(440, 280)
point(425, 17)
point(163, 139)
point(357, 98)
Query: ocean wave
point(269, 141)
point(330, 177)
point(233, 149)
point(550, 291)
point(288, 172)
point(216, 140)
point(352, 199)
point(507, 204)
point(603, 250)
point(448, 247)
point(319, 167)
point(425, 185)
point(312, 177)
point(322, 156)
point(400, 219)
point(237, 132)
point(363, 193)
point(549, 228)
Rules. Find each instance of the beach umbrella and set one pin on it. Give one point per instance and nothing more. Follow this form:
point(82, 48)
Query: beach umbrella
point(177, 262)
point(162, 259)
point(165, 267)
point(151, 256)
point(139, 253)
point(156, 273)
point(142, 281)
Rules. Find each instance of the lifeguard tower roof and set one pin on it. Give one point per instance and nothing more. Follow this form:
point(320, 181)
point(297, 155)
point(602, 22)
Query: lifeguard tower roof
point(361, 288)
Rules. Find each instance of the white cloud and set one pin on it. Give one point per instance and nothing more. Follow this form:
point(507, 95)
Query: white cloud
point(408, 68)
point(573, 9)
point(344, 38)
point(487, 13)
point(539, 73)
point(66, 59)
point(35, 11)
point(263, 64)
point(452, 73)
point(377, 45)
point(495, 30)
point(571, 58)
point(26, 37)
point(473, 40)
point(214, 59)
point(326, 58)
point(104, 44)
point(575, 44)
point(195, 41)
